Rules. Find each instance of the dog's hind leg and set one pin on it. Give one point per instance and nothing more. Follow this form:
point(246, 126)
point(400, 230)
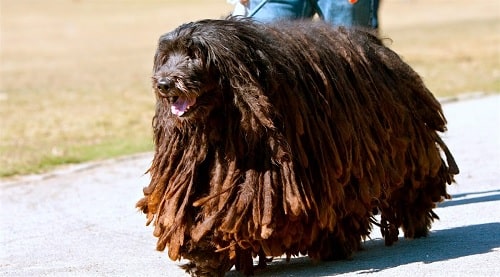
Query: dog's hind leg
point(412, 208)
point(419, 215)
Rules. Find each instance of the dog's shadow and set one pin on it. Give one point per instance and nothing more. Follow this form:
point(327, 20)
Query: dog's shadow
point(470, 198)
point(440, 245)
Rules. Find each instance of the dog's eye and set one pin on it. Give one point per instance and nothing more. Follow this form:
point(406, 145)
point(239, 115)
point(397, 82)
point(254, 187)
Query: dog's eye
point(163, 59)
point(159, 61)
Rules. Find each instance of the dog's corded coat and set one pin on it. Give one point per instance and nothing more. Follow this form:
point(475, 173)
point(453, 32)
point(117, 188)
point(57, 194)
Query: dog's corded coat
point(288, 139)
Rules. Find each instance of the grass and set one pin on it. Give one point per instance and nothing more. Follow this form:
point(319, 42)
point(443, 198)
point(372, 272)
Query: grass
point(453, 45)
point(75, 75)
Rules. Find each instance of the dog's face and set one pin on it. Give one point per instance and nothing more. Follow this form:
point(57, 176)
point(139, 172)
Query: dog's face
point(203, 74)
point(182, 80)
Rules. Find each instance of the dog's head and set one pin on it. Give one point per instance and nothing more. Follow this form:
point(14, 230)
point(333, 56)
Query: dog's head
point(177, 80)
point(214, 64)
point(182, 79)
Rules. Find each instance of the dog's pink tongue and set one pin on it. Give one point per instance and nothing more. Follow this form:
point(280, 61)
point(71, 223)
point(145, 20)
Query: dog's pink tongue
point(182, 105)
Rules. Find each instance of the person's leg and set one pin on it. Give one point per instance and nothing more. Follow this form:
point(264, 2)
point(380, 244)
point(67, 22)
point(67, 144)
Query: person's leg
point(374, 13)
point(281, 9)
point(362, 13)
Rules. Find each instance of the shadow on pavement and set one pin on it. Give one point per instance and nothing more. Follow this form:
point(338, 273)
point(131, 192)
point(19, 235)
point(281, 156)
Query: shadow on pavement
point(441, 245)
point(469, 198)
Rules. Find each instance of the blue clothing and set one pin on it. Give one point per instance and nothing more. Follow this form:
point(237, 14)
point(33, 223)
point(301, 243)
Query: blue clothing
point(363, 13)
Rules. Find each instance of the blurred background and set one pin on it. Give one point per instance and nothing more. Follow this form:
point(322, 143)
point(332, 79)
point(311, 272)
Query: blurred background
point(76, 74)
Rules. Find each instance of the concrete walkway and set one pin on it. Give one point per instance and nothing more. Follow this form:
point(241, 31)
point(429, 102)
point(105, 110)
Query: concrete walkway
point(81, 220)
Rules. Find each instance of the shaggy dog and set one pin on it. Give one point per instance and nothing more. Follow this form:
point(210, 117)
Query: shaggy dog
point(287, 139)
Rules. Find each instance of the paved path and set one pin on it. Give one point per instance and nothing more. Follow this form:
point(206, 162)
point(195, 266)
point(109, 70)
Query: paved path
point(81, 220)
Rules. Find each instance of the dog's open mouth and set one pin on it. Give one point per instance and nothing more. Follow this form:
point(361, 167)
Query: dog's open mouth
point(181, 104)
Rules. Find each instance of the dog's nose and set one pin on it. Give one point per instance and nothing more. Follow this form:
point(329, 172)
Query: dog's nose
point(165, 84)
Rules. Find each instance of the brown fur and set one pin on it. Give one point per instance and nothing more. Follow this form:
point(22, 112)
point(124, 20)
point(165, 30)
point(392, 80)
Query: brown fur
point(299, 134)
